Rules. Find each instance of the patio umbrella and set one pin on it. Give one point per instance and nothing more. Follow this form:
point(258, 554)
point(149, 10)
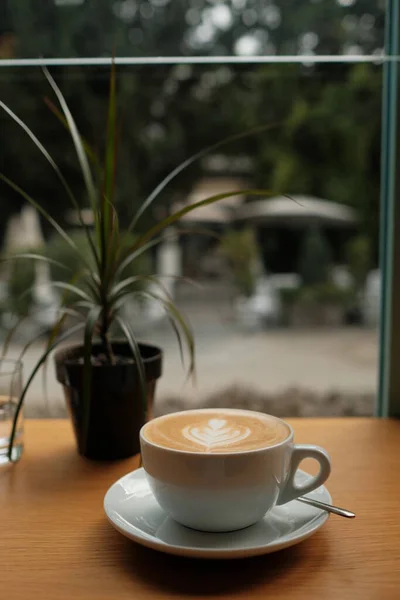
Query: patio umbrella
point(298, 210)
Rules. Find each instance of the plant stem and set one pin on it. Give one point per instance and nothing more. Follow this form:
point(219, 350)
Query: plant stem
point(108, 349)
point(40, 362)
point(105, 340)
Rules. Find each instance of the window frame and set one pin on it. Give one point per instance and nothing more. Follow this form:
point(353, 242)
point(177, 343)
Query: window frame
point(388, 400)
point(388, 397)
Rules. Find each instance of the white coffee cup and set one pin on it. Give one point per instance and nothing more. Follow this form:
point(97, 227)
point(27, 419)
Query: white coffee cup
point(226, 491)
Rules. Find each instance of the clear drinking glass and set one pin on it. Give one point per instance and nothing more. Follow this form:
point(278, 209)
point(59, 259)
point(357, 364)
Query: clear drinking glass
point(10, 392)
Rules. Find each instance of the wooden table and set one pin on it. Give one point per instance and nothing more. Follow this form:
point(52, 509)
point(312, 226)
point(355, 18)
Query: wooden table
point(55, 542)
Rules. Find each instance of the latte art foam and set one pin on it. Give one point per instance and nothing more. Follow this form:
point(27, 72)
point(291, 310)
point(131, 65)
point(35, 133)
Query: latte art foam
point(216, 431)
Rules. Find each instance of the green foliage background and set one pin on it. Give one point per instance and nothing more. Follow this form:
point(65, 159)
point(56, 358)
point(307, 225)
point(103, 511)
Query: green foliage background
point(328, 117)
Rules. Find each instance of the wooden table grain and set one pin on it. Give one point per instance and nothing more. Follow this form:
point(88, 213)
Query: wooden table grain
point(55, 542)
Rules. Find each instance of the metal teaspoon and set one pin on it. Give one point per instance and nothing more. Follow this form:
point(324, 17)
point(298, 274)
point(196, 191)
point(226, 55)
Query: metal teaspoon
point(328, 507)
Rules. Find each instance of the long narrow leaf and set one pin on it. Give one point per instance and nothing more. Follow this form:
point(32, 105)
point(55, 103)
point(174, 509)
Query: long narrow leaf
point(131, 254)
point(182, 322)
point(110, 158)
point(177, 315)
point(54, 333)
point(91, 154)
point(189, 161)
point(112, 245)
point(30, 343)
point(83, 304)
point(90, 280)
point(54, 165)
point(44, 333)
point(123, 288)
point(36, 368)
point(46, 215)
point(11, 332)
point(187, 209)
point(178, 337)
point(126, 283)
point(90, 326)
point(169, 305)
point(72, 288)
point(42, 149)
point(30, 255)
point(110, 162)
point(67, 287)
point(138, 359)
point(76, 138)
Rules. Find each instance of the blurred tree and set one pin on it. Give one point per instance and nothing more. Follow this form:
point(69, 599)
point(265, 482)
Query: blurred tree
point(326, 142)
point(71, 28)
point(241, 251)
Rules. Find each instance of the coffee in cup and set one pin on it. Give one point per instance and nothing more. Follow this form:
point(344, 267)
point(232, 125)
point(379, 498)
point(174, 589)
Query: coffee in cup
point(224, 469)
point(216, 431)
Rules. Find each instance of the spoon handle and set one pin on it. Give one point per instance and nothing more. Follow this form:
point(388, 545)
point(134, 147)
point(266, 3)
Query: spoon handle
point(328, 507)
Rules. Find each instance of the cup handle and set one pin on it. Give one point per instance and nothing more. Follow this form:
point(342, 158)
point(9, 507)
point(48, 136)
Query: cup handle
point(291, 491)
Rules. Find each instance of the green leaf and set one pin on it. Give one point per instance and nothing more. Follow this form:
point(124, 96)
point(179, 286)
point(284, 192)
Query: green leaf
point(46, 215)
point(88, 279)
point(131, 253)
point(30, 255)
point(54, 333)
point(83, 304)
point(88, 149)
point(125, 284)
point(188, 334)
point(76, 138)
point(189, 161)
point(72, 288)
point(90, 326)
point(131, 339)
point(42, 149)
point(123, 288)
point(187, 209)
point(43, 334)
point(110, 158)
point(10, 334)
point(178, 337)
point(107, 220)
point(112, 246)
point(182, 322)
point(55, 167)
point(36, 368)
point(57, 284)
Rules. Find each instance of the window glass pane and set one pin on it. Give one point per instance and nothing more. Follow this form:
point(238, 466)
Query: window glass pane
point(149, 28)
point(286, 318)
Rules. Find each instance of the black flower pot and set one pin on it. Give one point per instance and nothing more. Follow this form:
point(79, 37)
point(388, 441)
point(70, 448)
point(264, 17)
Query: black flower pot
point(117, 410)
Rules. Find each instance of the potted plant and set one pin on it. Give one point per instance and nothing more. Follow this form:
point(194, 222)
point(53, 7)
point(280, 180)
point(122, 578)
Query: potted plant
point(109, 383)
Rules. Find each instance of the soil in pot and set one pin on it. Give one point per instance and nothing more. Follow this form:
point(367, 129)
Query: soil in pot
point(117, 411)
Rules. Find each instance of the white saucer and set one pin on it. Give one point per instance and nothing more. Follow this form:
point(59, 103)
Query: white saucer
point(132, 509)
